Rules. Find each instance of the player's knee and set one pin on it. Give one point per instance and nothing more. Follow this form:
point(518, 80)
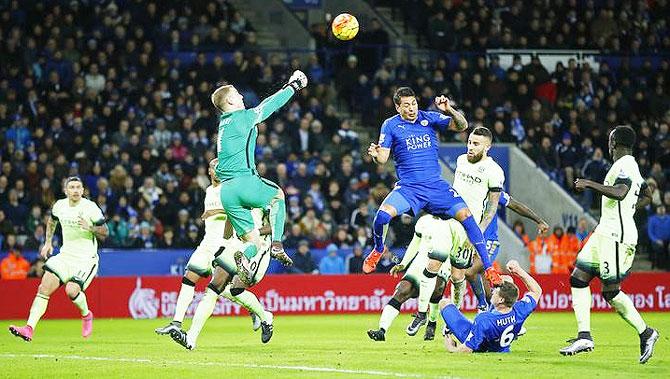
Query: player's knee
point(187, 279)
point(577, 283)
point(610, 294)
point(382, 217)
point(433, 266)
point(236, 291)
point(72, 290)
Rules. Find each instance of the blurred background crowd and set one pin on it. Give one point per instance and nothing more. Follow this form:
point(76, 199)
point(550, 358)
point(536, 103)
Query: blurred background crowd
point(90, 89)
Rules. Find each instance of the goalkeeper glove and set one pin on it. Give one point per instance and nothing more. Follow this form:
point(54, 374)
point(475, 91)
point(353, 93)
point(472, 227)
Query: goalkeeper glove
point(297, 81)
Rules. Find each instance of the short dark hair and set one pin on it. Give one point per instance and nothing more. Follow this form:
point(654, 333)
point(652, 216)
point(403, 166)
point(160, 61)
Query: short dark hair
point(73, 179)
point(402, 92)
point(624, 135)
point(509, 292)
point(483, 131)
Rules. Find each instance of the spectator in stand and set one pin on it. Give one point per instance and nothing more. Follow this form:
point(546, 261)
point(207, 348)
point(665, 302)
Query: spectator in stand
point(594, 169)
point(520, 231)
point(567, 157)
point(13, 266)
point(386, 263)
point(37, 268)
point(36, 239)
point(331, 264)
point(355, 260)
point(569, 247)
point(302, 260)
point(658, 230)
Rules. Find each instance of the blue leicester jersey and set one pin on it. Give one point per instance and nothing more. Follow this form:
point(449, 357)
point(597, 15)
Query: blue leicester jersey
point(493, 331)
point(415, 145)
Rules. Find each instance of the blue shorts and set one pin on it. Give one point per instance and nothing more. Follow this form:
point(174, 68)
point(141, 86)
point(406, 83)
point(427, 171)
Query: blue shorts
point(437, 198)
point(458, 324)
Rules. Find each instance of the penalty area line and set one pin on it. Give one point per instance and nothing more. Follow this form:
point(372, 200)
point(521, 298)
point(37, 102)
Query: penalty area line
point(222, 364)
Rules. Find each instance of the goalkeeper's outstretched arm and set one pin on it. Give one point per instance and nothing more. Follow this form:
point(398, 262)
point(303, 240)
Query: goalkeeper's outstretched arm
point(267, 107)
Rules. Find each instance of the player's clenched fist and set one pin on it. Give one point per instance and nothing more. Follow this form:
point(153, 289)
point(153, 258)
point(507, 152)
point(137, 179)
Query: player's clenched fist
point(373, 150)
point(442, 103)
point(513, 267)
point(298, 80)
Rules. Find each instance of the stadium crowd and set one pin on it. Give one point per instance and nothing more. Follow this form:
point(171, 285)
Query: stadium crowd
point(97, 97)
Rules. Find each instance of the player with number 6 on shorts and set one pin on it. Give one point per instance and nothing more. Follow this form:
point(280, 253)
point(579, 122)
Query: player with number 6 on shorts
point(494, 330)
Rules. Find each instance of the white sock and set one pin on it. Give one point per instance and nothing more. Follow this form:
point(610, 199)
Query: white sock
point(426, 288)
point(202, 313)
point(624, 306)
point(184, 299)
point(80, 302)
point(581, 303)
point(37, 309)
point(389, 313)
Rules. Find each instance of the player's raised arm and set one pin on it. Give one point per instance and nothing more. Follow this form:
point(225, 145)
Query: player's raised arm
point(524, 211)
point(457, 121)
point(295, 83)
point(618, 191)
point(534, 289)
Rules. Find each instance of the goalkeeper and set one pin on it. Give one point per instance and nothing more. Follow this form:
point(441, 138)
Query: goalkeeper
point(242, 189)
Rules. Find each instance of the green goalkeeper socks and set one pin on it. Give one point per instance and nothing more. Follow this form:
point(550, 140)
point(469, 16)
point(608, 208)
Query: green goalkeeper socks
point(277, 218)
point(250, 250)
point(37, 309)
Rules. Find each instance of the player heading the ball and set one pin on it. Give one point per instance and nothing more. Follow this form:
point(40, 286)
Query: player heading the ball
point(242, 189)
point(411, 137)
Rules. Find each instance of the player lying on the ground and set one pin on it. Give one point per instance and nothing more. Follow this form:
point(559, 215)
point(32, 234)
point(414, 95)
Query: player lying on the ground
point(76, 264)
point(610, 251)
point(242, 188)
point(225, 281)
point(479, 180)
point(430, 233)
point(493, 330)
point(199, 266)
point(411, 136)
point(436, 259)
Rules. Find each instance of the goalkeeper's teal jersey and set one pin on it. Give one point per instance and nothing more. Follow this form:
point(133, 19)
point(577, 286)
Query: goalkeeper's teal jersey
point(237, 136)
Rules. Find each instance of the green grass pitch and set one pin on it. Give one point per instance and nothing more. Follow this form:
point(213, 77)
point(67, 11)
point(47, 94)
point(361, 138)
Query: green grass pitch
point(323, 347)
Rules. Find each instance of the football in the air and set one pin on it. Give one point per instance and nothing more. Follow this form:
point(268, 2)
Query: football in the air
point(345, 27)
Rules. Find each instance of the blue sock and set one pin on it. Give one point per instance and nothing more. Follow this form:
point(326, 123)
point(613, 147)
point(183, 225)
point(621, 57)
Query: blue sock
point(477, 239)
point(381, 219)
point(477, 286)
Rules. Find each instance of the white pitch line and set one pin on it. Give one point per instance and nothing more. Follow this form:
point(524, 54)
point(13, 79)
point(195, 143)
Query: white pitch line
point(221, 364)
